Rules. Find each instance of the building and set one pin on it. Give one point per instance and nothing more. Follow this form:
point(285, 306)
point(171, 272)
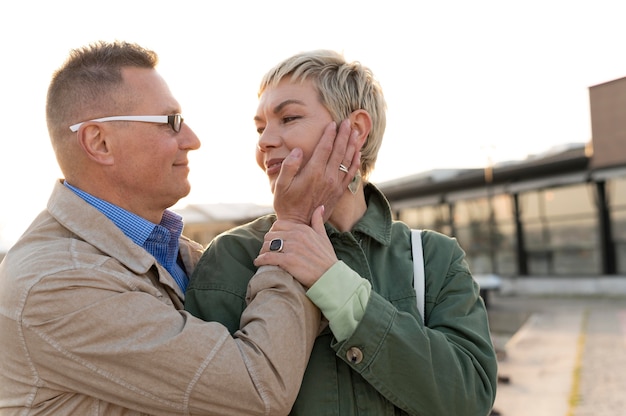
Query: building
point(562, 213)
point(205, 221)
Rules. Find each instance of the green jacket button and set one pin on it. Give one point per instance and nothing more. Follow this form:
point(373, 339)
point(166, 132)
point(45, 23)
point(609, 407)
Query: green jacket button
point(354, 355)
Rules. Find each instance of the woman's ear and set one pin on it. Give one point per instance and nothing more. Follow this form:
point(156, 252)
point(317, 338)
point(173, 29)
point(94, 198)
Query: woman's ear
point(361, 121)
point(91, 139)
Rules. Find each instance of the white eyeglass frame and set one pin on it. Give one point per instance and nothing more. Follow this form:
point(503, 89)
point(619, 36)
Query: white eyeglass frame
point(174, 120)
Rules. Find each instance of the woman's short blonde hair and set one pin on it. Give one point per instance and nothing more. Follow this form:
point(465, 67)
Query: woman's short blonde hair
point(343, 87)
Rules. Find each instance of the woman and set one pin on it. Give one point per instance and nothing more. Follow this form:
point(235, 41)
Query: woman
point(375, 357)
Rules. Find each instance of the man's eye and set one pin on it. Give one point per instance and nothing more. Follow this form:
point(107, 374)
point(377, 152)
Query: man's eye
point(260, 130)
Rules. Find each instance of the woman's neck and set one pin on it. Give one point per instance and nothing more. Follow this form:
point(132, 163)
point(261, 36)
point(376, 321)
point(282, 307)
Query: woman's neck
point(349, 210)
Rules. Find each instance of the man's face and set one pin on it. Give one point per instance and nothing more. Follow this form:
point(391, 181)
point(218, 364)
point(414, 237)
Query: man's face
point(150, 159)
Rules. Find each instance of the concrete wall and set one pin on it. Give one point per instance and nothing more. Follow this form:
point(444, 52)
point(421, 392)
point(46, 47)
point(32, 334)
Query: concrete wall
point(549, 285)
point(608, 123)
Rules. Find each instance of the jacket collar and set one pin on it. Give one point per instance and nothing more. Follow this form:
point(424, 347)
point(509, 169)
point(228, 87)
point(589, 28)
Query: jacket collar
point(89, 224)
point(377, 220)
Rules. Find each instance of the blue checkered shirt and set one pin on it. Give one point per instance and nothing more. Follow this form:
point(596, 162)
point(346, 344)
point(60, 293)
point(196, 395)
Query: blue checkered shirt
point(160, 240)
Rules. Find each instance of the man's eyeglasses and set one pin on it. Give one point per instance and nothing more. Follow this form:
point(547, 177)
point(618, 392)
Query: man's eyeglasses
point(175, 121)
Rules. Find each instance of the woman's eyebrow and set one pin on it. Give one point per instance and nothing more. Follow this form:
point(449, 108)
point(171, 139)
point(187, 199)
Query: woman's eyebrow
point(282, 105)
point(285, 103)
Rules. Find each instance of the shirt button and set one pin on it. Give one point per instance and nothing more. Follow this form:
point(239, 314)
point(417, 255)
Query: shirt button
point(354, 355)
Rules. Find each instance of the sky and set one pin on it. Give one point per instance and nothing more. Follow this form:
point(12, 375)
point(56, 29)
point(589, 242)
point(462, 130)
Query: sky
point(466, 83)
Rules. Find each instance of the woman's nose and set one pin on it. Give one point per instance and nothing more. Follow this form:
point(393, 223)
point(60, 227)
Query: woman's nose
point(268, 138)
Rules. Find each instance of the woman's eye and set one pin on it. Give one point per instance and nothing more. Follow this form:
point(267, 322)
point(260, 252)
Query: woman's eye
point(290, 118)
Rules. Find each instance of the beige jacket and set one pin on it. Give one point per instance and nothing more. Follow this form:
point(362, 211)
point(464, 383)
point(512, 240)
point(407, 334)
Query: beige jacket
point(91, 324)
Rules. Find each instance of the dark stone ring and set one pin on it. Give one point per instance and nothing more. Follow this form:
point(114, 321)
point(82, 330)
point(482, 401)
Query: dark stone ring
point(276, 245)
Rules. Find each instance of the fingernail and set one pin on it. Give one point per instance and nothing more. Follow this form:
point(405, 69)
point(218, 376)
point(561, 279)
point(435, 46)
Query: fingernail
point(296, 153)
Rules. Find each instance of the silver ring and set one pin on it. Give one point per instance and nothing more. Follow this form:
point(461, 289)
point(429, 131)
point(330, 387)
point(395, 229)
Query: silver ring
point(276, 245)
point(343, 168)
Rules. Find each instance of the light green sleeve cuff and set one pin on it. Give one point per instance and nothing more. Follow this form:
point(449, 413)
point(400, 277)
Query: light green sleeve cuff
point(342, 296)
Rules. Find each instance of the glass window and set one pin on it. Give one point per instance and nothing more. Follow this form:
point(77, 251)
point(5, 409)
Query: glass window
point(561, 231)
point(486, 231)
point(434, 217)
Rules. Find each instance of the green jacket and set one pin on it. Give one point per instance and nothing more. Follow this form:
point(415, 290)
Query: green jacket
point(447, 367)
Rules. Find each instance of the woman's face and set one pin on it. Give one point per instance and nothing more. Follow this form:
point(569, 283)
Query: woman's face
point(289, 115)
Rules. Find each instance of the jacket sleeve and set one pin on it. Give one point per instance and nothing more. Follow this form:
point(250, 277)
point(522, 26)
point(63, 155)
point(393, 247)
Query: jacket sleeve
point(126, 345)
point(217, 287)
point(449, 366)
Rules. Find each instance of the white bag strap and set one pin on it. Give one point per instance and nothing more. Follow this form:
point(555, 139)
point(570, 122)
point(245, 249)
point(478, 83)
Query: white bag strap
point(419, 281)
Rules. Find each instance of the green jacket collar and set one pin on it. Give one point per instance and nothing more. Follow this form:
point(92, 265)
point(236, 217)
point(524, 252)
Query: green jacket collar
point(377, 220)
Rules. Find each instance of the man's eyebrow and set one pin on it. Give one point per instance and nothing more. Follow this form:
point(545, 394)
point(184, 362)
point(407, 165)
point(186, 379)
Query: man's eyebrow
point(282, 105)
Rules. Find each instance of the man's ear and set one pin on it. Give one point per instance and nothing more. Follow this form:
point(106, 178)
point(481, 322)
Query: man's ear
point(361, 121)
point(92, 139)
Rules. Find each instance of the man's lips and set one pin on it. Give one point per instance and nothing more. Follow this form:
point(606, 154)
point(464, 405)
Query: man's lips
point(184, 165)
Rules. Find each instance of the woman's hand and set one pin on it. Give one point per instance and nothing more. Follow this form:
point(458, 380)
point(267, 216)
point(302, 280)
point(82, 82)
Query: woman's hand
point(306, 251)
point(299, 192)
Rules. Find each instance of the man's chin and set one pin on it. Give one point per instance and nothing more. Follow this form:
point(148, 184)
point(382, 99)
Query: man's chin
point(184, 190)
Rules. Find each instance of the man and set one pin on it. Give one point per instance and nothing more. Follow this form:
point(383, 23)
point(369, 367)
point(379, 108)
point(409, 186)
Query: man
point(91, 296)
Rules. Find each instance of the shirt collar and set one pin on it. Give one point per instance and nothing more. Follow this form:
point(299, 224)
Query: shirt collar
point(136, 228)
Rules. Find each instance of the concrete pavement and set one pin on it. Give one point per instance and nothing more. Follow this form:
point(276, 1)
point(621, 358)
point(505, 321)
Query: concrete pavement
point(563, 355)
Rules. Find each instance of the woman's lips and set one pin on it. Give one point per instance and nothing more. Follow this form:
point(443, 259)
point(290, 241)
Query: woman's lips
point(273, 167)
